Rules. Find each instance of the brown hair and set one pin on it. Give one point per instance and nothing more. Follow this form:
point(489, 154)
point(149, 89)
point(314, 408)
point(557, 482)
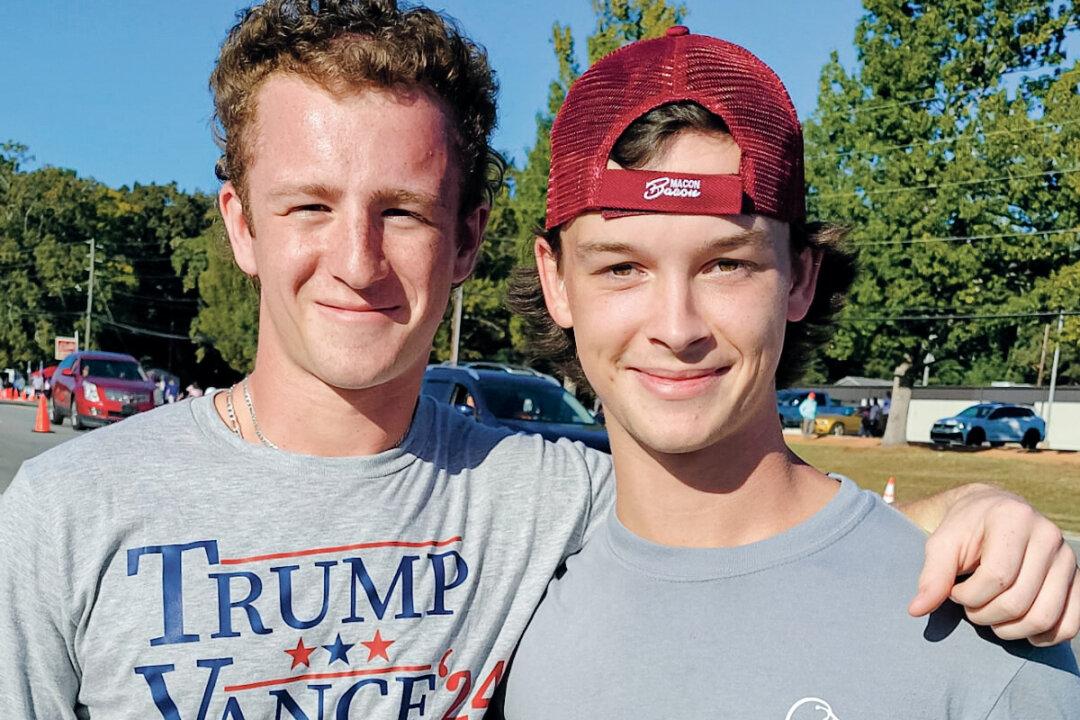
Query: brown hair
point(645, 139)
point(352, 45)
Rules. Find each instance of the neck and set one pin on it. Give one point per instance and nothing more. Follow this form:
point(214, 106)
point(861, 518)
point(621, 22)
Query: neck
point(300, 413)
point(744, 488)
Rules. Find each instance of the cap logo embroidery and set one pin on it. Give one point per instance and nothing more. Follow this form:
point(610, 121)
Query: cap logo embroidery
point(672, 187)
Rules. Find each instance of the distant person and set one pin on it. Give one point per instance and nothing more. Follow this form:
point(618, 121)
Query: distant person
point(172, 389)
point(193, 390)
point(808, 413)
point(875, 417)
point(37, 384)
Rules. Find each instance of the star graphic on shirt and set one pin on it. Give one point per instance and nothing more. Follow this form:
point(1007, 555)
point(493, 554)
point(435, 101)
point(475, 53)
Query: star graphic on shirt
point(301, 654)
point(339, 650)
point(377, 647)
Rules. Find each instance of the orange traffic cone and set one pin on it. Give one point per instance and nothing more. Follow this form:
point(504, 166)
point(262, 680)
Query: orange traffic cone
point(41, 425)
point(890, 491)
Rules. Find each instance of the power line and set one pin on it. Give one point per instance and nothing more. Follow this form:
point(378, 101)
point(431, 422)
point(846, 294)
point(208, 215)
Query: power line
point(181, 301)
point(958, 316)
point(967, 238)
point(151, 332)
point(933, 186)
point(1041, 125)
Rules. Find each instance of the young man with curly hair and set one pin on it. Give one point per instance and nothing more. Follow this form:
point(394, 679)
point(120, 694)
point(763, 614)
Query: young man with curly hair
point(732, 579)
point(317, 541)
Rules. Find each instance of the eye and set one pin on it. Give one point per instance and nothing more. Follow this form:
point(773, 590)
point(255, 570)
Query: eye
point(311, 208)
point(622, 270)
point(725, 267)
point(403, 213)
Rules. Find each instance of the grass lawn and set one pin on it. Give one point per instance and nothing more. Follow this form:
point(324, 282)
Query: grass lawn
point(1049, 480)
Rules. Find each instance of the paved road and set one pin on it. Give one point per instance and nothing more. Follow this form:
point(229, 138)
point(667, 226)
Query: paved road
point(18, 441)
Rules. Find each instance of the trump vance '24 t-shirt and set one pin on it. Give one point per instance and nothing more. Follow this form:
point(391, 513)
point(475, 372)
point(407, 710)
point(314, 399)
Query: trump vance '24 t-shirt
point(163, 568)
point(808, 625)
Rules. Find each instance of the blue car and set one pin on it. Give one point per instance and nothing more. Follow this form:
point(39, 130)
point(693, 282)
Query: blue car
point(517, 398)
point(996, 423)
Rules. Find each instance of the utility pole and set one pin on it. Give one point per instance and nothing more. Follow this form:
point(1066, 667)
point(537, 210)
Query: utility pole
point(1054, 373)
point(1042, 357)
point(90, 294)
point(455, 327)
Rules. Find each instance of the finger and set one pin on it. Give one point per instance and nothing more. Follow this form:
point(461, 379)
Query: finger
point(1013, 603)
point(1068, 625)
point(940, 566)
point(1048, 606)
point(999, 565)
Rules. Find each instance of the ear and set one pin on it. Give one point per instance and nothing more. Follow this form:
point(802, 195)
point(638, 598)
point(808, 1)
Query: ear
point(804, 275)
point(471, 235)
point(551, 280)
point(236, 225)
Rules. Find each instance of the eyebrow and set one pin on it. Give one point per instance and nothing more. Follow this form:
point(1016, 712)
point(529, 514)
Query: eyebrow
point(402, 196)
point(307, 190)
point(391, 196)
point(720, 244)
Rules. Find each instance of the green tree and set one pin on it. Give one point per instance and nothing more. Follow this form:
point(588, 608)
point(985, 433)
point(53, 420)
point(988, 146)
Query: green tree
point(47, 220)
point(950, 153)
point(227, 322)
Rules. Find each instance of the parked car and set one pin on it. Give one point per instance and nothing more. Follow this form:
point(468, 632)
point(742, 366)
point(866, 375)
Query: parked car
point(515, 397)
point(996, 423)
point(97, 388)
point(838, 421)
point(788, 400)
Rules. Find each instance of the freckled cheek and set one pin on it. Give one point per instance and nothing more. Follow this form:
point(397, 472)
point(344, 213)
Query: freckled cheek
point(285, 259)
point(606, 323)
point(749, 317)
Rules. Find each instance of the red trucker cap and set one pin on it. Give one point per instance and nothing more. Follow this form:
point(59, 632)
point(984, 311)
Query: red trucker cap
point(724, 78)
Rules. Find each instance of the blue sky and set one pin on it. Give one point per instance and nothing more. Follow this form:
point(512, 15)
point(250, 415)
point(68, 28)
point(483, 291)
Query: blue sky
point(116, 89)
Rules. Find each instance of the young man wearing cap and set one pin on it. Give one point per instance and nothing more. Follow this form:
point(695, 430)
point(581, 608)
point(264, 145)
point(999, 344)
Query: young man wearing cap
point(732, 580)
point(317, 542)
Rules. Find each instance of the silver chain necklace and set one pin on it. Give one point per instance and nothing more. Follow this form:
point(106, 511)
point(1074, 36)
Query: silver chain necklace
point(251, 411)
point(234, 424)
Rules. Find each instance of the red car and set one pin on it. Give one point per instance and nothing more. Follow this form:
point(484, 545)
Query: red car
point(97, 388)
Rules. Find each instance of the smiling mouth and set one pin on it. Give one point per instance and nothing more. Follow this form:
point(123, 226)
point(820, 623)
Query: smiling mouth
point(357, 308)
point(678, 384)
point(680, 375)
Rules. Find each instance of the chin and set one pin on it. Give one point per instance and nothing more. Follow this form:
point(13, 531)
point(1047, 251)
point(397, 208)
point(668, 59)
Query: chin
point(357, 371)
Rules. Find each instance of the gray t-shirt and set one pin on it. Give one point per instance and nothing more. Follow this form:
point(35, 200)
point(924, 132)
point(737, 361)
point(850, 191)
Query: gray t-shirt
point(807, 625)
point(164, 568)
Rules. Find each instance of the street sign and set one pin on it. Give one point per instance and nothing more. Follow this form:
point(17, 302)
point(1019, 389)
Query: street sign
point(64, 346)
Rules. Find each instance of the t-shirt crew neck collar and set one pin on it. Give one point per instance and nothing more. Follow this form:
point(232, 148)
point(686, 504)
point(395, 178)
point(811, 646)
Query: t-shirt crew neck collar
point(680, 564)
point(380, 464)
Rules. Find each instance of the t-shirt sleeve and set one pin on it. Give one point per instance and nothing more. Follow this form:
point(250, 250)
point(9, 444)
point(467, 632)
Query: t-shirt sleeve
point(602, 487)
point(38, 678)
point(1045, 687)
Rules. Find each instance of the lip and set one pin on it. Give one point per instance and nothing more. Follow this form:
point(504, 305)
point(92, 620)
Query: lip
point(679, 384)
point(355, 311)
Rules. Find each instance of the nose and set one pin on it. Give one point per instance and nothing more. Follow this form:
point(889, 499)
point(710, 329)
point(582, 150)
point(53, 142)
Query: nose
point(677, 322)
point(361, 261)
